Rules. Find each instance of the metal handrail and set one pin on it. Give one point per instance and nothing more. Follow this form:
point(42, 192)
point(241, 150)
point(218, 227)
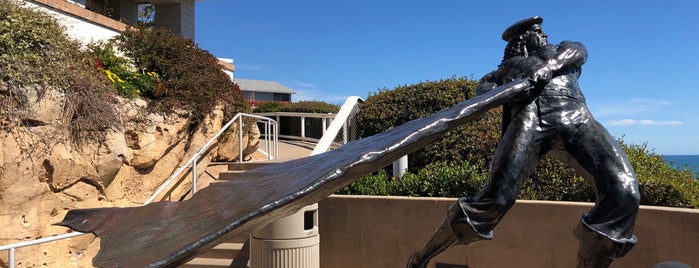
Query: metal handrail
point(339, 123)
point(324, 117)
point(271, 127)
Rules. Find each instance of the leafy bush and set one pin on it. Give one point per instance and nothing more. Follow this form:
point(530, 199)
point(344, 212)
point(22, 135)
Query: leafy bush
point(298, 107)
point(127, 81)
point(34, 48)
point(390, 108)
point(310, 107)
point(659, 183)
point(374, 184)
point(36, 52)
point(269, 107)
point(442, 179)
point(439, 179)
point(457, 164)
point(192, 79)
point(556, 181)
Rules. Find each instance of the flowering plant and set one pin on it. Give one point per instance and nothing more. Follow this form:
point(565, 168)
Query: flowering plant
point(134, 84)
point(126, 79)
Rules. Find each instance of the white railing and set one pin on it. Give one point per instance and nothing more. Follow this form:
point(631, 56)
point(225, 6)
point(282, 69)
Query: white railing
point(343, 127)
point(271, 139)
point(305, 127)
point(195, 158)
point(334, 129)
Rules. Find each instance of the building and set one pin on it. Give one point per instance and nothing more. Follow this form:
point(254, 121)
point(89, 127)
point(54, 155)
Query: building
point(96, 20)
point(258, 92)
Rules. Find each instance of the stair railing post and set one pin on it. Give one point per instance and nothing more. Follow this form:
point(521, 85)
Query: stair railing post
point(303, 129)
point(268, 139)
point(325, 124)
point(276, 139)
point(240, 139)
point(11, 257)
point(194, 175)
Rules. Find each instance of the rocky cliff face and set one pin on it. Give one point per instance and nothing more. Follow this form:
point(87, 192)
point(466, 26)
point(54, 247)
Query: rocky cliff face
point(43, 174)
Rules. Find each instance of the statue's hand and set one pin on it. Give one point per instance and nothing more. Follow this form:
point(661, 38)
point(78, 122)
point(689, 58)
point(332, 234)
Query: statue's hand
point(413, 261)
point(540, 75)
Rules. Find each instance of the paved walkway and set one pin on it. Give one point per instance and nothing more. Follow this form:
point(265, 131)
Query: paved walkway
point(288, 150)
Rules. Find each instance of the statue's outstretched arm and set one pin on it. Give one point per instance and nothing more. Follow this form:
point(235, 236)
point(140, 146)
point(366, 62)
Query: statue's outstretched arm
point(569, 55)
point(549, 61)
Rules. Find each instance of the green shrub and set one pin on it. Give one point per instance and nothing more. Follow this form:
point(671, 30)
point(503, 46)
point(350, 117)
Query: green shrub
point(34, 48)
point(556, 181)
point(36, 52)
point(445, 179)
point(457, 164)
point(269, 107)
point(659, 183)
point(127, 81)
point(311, 107)
point(192, 78)
point(439, 179)
point(442, 179)
point(390, 108)
point(374, 184)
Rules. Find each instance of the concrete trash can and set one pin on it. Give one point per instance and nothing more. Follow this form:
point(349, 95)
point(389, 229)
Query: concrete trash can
point(291, 242)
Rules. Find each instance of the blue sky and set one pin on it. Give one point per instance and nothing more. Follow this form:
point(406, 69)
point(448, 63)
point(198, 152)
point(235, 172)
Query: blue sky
point(640, 79)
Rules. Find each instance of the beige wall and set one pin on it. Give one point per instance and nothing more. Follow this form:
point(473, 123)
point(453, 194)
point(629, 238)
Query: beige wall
point(363, 231)
point(81, 24)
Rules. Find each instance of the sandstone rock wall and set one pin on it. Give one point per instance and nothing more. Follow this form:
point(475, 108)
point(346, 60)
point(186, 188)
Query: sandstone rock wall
point(43, 174)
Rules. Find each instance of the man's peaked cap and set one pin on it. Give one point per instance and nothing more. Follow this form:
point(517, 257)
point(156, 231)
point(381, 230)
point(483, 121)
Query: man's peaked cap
point(520, 27)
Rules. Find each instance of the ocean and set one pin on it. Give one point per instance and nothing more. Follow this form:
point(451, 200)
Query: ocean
point(680, 161)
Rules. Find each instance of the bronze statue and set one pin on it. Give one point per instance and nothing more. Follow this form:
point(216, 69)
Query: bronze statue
point(550, 118)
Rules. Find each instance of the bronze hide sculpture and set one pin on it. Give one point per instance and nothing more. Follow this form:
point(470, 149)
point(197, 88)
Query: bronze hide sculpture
point(167, 234)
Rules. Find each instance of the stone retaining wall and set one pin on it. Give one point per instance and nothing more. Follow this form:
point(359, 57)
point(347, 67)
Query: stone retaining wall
point(369, 231)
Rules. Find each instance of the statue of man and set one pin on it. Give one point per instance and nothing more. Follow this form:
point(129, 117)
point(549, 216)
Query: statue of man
point(551, 118)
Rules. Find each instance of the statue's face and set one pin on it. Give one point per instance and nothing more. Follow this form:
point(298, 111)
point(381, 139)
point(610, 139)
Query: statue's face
point(536, 38)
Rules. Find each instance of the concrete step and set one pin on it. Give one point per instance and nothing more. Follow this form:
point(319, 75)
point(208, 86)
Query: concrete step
point(228, 175)
point(238, 166)
point(232, 254)
point(235, 168)
point(200, 262)
point(223, 251)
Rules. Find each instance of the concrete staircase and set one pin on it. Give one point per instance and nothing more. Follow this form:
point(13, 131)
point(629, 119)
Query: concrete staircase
point(234, 253)
point(235, 168)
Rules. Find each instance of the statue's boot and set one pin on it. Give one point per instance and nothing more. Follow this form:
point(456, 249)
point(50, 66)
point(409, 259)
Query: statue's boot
point(455, 229)
point(597, 250)
point(591, 258)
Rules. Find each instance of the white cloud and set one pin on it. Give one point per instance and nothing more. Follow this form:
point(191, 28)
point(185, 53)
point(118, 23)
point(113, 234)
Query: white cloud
point(623, 122)
point(644, 122)
point(630, 107)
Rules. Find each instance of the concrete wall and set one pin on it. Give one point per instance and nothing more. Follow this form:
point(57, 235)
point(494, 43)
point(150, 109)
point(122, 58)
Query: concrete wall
point(177, 17)
point(81, 24)
point(85, 25)
point(364, 231)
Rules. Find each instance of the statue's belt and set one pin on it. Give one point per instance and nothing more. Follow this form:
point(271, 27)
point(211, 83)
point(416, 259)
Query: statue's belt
point(566, 92)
